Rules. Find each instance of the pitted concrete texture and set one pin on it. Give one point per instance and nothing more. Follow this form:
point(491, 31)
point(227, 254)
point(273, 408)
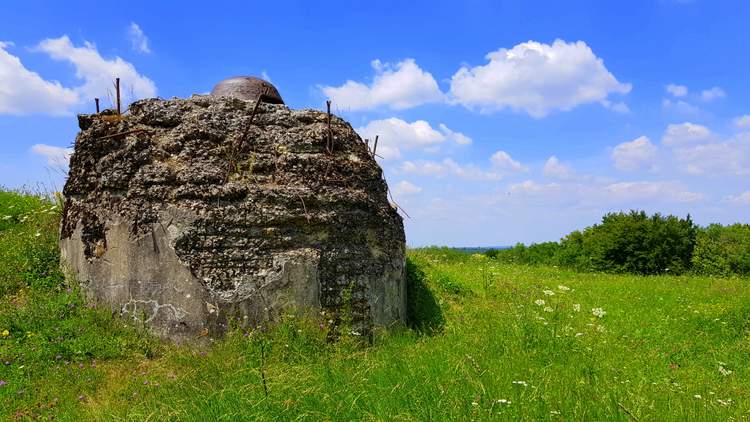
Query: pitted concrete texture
point(189, 213)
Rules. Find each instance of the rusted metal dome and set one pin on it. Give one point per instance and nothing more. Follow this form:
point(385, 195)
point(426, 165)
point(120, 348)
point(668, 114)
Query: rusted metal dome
point(248, 88)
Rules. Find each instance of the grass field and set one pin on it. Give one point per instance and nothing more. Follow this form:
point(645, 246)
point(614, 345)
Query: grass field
point(496, 342)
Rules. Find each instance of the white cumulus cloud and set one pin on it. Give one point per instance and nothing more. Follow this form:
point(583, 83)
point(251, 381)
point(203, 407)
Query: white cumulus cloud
point(677, 90)
point(654, 190)
point(501, 160)
point(555, 169)
point(456, 137)
point(138, 40)
point(395, 134)
point(617, 106)
point(400, 86)
point(712, 94)
point(23, 91)
point(730, 157)
point(97, 72)
point(680, 106)
point(448, 167)
point(637, 154)
point(55, 156)
point(536, 78)
point(405, 187)
point(742, 121)
point(741, 199)
point(609, 194)
point(686, 134)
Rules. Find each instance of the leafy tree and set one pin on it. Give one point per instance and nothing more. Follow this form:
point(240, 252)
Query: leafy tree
point(637, 243)
point(723, 250)
point(536, 253)
point(632, 243)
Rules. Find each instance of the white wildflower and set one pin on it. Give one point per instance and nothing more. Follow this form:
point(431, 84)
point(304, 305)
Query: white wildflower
point(523, 383)
point(723, 370)
point(548, 309)
point(600, 328)
point(577, 307)
point(563, 288)
point(539, 302)
point(698, 396)
point(726, 402)
point(598, 312)
point(503, 401)
point(548, 292)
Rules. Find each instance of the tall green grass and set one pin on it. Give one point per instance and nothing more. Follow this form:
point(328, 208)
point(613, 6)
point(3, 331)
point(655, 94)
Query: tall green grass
point(482, 346)
point(50, 340)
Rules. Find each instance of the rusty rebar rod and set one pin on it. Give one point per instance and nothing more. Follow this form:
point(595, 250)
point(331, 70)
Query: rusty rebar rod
point(127, 132)
point(396, 204)
point(117, 93)
point(329, 143)
point(241, 142)
point(304, 208)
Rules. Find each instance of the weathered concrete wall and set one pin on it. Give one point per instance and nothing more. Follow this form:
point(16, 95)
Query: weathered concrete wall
point(188, 212)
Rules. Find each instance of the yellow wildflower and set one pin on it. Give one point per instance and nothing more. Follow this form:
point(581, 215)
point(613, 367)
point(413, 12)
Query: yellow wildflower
point(5, 333)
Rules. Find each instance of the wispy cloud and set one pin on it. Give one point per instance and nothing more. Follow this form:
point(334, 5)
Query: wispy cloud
point(55, 156)
point(138, 40)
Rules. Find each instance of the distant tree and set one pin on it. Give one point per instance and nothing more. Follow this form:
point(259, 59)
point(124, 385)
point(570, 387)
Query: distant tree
point(491, 253)
point(572, 254)
point(637, 243)
point(723, 250)
point(536, 253)
point(632, 243)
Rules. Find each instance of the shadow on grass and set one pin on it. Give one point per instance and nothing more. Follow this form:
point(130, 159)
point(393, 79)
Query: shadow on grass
point(423, 312)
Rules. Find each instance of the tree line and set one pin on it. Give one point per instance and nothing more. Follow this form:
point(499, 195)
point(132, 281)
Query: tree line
point(637, 243)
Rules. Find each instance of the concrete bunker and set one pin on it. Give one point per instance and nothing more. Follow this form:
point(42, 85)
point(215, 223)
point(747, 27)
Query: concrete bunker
point(187, 213)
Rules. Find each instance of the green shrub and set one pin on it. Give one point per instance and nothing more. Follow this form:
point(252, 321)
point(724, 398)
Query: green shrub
point(536, 253)
point(492, 253)
point(622, 243)
point(636, 243)
point(572, 252)
point(723, 250)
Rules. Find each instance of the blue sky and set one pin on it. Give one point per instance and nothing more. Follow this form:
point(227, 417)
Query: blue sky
point(499, 122)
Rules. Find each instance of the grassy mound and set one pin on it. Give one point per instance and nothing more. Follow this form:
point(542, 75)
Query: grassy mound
point(488, 340)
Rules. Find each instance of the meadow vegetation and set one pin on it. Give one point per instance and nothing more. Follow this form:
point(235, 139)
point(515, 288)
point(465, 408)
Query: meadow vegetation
point(487, 339)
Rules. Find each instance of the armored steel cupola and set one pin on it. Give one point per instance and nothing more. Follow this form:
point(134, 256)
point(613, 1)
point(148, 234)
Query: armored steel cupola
point(248, 88)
